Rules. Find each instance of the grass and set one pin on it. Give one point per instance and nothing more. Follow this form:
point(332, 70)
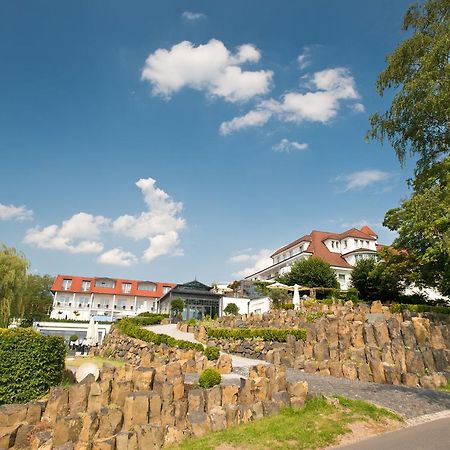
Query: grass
point(99, 361)
point(316, 425)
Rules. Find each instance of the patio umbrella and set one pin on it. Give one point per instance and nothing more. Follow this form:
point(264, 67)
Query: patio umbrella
point(95, 337)
point(296, 297)
point(90, 334)
point(278, 285)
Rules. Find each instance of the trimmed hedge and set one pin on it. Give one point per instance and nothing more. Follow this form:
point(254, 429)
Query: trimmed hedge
point(144, 321)
point(400, 307)
point(266, 334)
point(29, 364)
point(212, 353)
point(134, 330)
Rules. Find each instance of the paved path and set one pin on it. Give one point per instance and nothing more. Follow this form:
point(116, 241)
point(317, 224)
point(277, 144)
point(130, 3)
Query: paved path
point(408, 402)
point(428, 436)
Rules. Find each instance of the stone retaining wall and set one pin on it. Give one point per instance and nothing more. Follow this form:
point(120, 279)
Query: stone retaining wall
point(143, 408)
point(366, 343)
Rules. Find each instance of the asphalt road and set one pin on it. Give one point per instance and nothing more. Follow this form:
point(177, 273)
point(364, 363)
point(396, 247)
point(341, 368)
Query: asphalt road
point(433, 435)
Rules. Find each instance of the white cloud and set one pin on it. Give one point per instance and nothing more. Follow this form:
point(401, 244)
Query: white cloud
point(211, 68)
point(79, 234)
point(11, 212)
point(159, 225)
point(261, 260)
point(117, 257)
point(361, 179)
point(304, 59)
point(251, 119)
point(193, 17)
point(358, 107)
point(286, 146)
point(328, 88)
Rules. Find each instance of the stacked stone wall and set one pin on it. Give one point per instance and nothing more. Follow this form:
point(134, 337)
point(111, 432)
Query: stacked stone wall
point(362, 342)
point(143, 408)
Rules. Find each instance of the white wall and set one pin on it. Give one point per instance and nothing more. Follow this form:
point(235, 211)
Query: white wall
point(247, 306)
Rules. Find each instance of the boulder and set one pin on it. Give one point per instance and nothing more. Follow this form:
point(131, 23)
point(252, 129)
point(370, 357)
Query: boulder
point(57, 404)
point(155, 406)
point(90, 424)
point(213, 398)
point(349, 370)
point(229, 394)
point(126, 440)
point(196, 401)
point(67, 429)
point(120, 389)
point(8, 436)
point(143, 378)
point(12, 414)
point(108, 443)
point(78, 397)
point(218, 418)
point(111, 420)
point(200, 423)
point(224, 364)
point(135, 410)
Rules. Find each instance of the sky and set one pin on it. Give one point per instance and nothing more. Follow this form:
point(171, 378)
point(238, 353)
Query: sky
point(189, 139)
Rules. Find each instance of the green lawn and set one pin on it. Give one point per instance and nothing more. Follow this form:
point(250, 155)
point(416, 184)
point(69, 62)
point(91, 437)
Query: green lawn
point(315, 426)
point(99, 361)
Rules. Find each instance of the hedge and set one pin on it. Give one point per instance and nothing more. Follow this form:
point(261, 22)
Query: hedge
point(400, 307)
point(154, 319)
point(266, 334)
point(130, 328)
point(29, 364)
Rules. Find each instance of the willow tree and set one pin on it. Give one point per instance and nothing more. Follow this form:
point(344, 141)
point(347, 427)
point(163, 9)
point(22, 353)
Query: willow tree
point(13, 275)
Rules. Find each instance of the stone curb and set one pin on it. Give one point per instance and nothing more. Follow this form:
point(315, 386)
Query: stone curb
point(427, 418)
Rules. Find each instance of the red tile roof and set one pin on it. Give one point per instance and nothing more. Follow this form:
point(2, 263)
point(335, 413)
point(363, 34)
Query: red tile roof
point(77, 282)
point(366, 229)
point(318, 248)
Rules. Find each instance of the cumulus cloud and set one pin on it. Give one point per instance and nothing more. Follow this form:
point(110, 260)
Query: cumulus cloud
point(159, 225)
point(117, 257)
point(251, 119)
point(260, 261)
point(321, 103)
point(79, 234)
point(210, 68)
point(193, 17)
point(11, 212)
point(361, 179)
point(286, 146)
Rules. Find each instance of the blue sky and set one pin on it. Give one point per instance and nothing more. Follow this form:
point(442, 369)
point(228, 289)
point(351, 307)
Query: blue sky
point(168, 140)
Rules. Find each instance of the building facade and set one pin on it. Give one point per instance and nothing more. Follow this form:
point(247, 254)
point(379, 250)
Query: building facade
point(341, 250)
point(199, 300)
point(80, 298)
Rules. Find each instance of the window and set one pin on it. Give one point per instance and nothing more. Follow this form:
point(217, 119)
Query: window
point(337, 244)
point(67, 283)
point(147, 286)
point(123, 307)
point(131, 307)
point(345, 243)
point(356, 242)
point(98, 305)
point(290, 253)
point(126, 288)
point(332, 244)
point(341, 278)
point(367, 243)
point(85, 286)
point(105, 283)
point(166, 289)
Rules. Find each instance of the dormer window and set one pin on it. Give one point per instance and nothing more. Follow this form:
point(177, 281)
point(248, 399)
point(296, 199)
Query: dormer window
point(126, 288)
point(332, 244)
point(147, 286)
point(86, 285)
point(105, 283)
point(66, 284)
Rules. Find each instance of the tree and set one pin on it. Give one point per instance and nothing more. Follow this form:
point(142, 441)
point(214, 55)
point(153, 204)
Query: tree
point(37, 303)
point(422, 255)
point(418, 120)
point(232, 309)
point(310, 272)
point(13, 272)
point(235, 286)
point(177, 306)
point(374, 282)
point(279, 297)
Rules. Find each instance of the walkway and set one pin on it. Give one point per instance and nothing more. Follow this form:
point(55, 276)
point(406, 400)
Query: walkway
point(408, 402)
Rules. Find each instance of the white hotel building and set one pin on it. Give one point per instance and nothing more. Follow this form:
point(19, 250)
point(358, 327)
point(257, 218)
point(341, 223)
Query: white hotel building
point(80, 298)
point(340, 250)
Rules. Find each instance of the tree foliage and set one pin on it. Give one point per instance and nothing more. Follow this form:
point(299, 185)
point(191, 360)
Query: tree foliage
point(374, 281)
point(418, 120)
point(279, 297)
point(37, 299)
point(13, 273)
point(232, 309)
point(177, 306)
point(423, 226)
point(311, 272)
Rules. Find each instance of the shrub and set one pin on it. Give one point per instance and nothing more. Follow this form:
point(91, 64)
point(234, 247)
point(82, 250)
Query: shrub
point(397, 307)
point(73, 338)
point(212, 353)
point(209, 378)
point(286, 306)
point(144, 321)
point(192, 322)
point(232, 309)
point(150, 314)
point(177, 306)
point(265, 334)
point(131, 329)
point(29, 364)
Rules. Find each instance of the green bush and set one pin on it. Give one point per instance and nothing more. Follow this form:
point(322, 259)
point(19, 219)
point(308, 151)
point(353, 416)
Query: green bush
point(150, 314)
point(130, 328)
point(144, 321)
point(73, 338)
point(265, 334)
point(212, 353)
point(209, 378)
point(29, 364)
point(397, 307)
point(231, 309)
point(192, 322)
point(286, 306)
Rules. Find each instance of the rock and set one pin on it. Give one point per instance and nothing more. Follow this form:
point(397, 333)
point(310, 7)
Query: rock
point(410, 379)
point(377, 368)
point(369, 335)
point(34, 412)
point(90, 424)
point(232, 415)
point(213, 398)
point(392, 374)
point(173, 436)
point(108, 443)
point(421, 329)
point(12, 414)
point(364, 373)
point(126, 440)
point(408, 335)
point(381, 333)
point(181, 408)
point(155, 406)
point(143, 378)
point(427, 382)
point(376, 307)
point(281, 398)
point(78, 397)
point(111, 420)
point(229, 394)
point(218, 418)
point(321, 351)
point(39, 438)
point(135, 410)
point(200, 423)
point(8, 436)
point(298, 389)
point(414, 362)
point(224, 364)
point(270, 407)
point(23, 436)
point(196, 401)
point(67, 429)
point(335, 369)
point(57, 404)
point(349, 370)
point(120, 389)
point(311, 366)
